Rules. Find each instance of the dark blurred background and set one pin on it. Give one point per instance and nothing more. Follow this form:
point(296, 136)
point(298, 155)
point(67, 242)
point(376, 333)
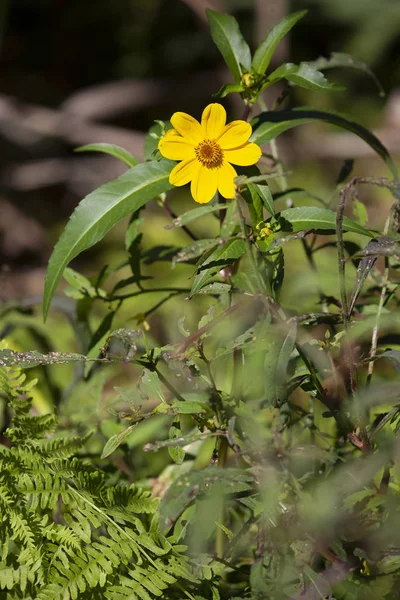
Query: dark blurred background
point(74, 72)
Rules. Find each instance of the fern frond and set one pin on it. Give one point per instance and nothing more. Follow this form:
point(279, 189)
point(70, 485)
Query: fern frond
point(66, 532)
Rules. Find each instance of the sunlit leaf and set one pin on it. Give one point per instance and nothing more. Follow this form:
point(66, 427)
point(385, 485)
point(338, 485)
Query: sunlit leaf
point(112, 150)
point(306, 76)
point(226, 35)
point(265, 51)
point(99, 212)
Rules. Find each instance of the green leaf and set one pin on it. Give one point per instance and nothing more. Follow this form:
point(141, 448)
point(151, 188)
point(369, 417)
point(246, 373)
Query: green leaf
point(277, 354)
point(150, 386)
point(187, 487)
point(99, 212)
point(265, 194)
point(195, 249)
point(268, 125)
point(360, 212)
point(304, 75)
point(98, 339)
point(195, 213)
point(254, 204)
point(116, 440)
point(176, 452)
point(263, 54)
point(111, 149)
point(222, 257)
point(226, 35)
point(340, 59)
point(81, 283)
point(188, 407)
point(152, 138)
point(312, 217)
point(228, 88)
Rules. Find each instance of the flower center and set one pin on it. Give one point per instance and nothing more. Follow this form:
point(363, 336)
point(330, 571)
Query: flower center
point(210, 154)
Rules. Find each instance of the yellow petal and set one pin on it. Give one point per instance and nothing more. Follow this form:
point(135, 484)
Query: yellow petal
point(226, 175)
point(248, 154)
point(234, 135)
point(204, 184)
point(213, 121)
point(184, 172)
point(188, 127)
point(175, 147)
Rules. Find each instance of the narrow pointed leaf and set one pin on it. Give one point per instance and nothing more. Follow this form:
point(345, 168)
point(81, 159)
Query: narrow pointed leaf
point(268, 125)
point(112, 150)
point(312, 217)
point(99, 212)
point(340, 59)
point(305, 75)
point(116, 440)
point(224, 256)
point(228, 88)
point(195, 213)
point(226, 35)
point(266, 49)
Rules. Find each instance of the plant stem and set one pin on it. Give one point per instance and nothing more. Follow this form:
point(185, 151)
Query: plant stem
point(220, 534)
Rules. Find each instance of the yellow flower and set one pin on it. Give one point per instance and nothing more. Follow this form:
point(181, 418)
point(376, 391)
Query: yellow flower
point(207, 151)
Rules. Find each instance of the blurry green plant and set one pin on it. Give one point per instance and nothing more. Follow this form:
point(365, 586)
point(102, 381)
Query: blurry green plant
point(293, 491)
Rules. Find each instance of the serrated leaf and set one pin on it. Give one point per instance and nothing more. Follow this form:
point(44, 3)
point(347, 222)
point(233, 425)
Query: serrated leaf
point(313, 217)
point(116, 440)
point(224, 256)
point(268, 125)
point(340, 59)
point(265, 51)
point(227, 37)
point(99, 212)
point(304, 75)
point(112, 150)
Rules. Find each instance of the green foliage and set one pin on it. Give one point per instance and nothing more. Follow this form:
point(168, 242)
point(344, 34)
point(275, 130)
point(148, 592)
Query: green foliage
point(100, 211)
point(66, 531)
point(268, 125)
point(271, 429)
point(265, 51)
point(226, 36)
point(111, 149)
